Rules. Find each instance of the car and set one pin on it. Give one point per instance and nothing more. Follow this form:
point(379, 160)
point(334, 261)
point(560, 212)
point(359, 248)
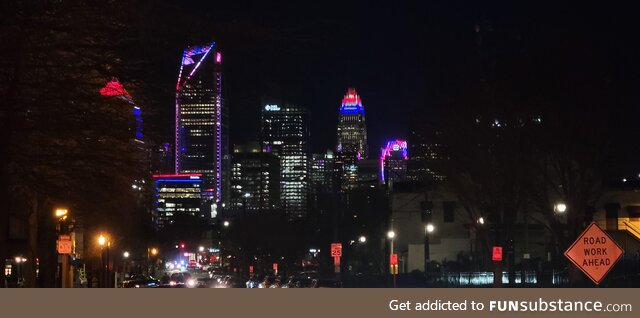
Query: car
point(325, 283)
point(254, 281)
point(140, 283)
point(267, 282)
point(277, 282)
point(182, 278)
point(230, 282)
point(296, 282)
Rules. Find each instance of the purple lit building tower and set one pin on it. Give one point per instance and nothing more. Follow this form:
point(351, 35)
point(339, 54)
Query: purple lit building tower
point(393, 161)
point(352, 139)
point(201, 145)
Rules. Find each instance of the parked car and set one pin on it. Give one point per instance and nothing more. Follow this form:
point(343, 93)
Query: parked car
point(325, 283)
point(267, 282)
point(254, 281)
point(140, 283)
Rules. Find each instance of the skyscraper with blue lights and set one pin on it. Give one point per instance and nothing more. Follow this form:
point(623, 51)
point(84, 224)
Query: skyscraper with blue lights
point(352, 139)
point(200, 129)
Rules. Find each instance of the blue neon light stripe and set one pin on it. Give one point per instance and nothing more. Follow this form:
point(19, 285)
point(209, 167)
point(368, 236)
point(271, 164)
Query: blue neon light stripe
point(178, 180)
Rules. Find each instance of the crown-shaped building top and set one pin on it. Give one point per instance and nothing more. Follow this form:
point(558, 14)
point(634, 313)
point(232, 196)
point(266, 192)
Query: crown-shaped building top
point(351, 103)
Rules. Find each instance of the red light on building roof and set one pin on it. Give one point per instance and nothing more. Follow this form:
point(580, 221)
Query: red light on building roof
point(114, 88)
point(351, 98)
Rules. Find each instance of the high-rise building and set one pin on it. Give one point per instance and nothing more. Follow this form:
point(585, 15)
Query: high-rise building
point(285, 133)
point(178, 196)
point(428, 155)
point(393, 161)
point(255, 179)
point(200, 127)
point(115, 89)
point(352, 139)
point(321, 172)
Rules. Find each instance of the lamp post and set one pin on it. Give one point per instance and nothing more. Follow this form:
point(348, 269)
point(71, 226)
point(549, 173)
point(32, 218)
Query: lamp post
point(559, 209)
point(151, 252)
point(125, 260)
point(225, 225)
point(428, 229)
point(19, 260)
point(104, 241)
point(391, 236)
point(64, 227)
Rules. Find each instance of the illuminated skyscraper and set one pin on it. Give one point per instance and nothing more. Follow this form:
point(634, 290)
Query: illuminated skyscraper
point(178, 196)
point(255, 179)
point(200, 128)
point(285, 133)
point(352, 139)
point(393, 161)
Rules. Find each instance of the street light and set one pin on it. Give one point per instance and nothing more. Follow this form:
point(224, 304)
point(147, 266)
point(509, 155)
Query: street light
point(362, 239)
point(152, 251)
point(19, 259)
point(560, 208)
point(61, 214)
point(430, 228)
point(391, 235)
point(201, 248)
point(481, 221)
point(226, 223)
point(124, 264)
point(102, 241)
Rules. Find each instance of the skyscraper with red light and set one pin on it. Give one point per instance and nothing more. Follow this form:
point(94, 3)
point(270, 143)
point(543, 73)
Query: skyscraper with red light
point(200, 135)
point(352, 139)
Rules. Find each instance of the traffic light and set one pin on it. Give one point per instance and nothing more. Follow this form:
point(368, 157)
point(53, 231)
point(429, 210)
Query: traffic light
point(182, 245)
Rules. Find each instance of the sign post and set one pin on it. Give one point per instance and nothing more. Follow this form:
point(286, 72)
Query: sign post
point(336, 253)
point(594, 253)
point(393, 263)
point(497, 254)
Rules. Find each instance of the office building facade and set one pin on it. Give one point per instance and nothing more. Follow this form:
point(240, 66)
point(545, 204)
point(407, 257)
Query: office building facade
point(200, 135)
point(178, 196)
point(255, 179)
point(285, 133)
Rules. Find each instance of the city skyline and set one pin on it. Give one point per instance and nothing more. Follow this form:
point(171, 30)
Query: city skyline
point(209, 144)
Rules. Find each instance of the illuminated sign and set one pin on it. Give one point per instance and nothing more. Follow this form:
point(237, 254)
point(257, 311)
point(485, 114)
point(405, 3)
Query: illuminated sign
point(594, 252)
point(496, 256)
point(336, 249)
point(272, 108)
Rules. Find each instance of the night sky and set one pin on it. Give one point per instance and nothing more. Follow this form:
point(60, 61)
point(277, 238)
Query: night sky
point(411, 60)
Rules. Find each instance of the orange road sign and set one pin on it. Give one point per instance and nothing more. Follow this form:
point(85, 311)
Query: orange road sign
point(65, 246)
point(336, 249)
point(594, 252)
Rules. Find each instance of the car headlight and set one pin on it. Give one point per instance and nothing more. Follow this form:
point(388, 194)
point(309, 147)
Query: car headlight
point(191, 283)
